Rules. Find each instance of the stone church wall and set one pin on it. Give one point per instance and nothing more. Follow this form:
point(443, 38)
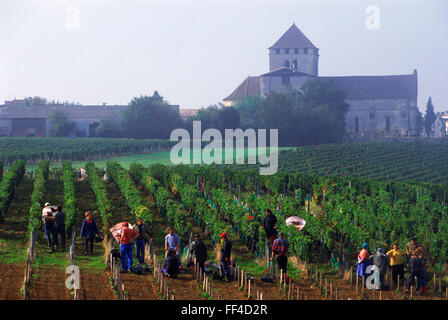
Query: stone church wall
point(372, 115)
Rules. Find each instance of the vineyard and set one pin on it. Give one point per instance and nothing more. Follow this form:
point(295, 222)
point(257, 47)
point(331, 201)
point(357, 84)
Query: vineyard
point(419, 161)
point(341, 214)
point(32, 150)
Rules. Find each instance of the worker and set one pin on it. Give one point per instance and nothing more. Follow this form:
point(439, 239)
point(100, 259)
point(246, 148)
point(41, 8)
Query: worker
point(198, 250)
point(126, 237)
point(226, 254)
point(144, 236)
point(280, 249)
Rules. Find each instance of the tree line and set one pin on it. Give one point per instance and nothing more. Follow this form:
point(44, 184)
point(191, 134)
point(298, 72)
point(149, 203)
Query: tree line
point(313, 115)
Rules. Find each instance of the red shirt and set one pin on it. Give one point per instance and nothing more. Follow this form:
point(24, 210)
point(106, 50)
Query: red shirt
point(280, 246)
point(127, 235)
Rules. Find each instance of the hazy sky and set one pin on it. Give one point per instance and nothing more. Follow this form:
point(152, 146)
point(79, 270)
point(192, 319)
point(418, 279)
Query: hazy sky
point(195, 52)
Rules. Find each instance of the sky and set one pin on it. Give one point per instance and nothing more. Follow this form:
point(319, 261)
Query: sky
point(196, 52)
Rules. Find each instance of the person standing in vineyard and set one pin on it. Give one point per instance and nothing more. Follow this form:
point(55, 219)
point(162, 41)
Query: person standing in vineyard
point(411, 246)
point(363, 262)
point(421, 255)
point(269, 224)
point(48, 220)
point(88, 231)
point(416, 266)
point(396, 262)
point(199, 251)
point(226, 253)
point(144, 235)
point(280, 249)
point(126, 237)
point(59, 218)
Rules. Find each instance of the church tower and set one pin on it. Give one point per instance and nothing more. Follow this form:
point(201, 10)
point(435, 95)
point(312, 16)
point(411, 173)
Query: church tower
point(293, 50)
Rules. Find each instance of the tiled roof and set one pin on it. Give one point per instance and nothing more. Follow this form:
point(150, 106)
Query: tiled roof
point(249, 87)
point(283, 71)
point(293, 38)
point(72, 111)
point(377, 87)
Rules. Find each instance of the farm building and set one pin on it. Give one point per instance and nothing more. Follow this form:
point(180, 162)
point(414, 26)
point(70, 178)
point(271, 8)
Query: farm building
point(18, 120)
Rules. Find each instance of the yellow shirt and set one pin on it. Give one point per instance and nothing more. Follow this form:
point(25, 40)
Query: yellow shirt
point(396, 257)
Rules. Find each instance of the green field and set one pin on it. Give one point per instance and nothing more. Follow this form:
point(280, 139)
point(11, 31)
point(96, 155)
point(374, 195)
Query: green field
point(162, 157)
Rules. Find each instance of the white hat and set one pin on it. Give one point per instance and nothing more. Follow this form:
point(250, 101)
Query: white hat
point(47, 204)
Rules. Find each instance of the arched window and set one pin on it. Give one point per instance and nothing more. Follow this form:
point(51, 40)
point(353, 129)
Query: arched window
point(295, 65)
point(286, 64)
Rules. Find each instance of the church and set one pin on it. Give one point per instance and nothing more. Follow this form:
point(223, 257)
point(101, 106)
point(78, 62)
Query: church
point(379, 106)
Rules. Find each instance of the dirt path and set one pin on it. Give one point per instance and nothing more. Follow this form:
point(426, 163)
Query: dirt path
point(14, 241)
point(48, 270)
point(11, 277)
point(184, 286)
point(139, 287)
point(95, 283)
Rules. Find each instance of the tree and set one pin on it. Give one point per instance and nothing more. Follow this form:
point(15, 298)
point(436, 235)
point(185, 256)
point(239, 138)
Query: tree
point(419, 123)
point(247, 108)
point(277, 112)
point(430, 117)
point(149, 117)
point(34, 101)
point(108, 128)
point(218, 117)
point(39, 101)
point(315, 114)
point(60, 124)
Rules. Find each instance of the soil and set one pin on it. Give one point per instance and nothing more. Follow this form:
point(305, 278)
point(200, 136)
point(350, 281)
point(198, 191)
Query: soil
point(48, 283)
point(14, 233)
point(138, 287)
point(95, 284)
point(11, 278)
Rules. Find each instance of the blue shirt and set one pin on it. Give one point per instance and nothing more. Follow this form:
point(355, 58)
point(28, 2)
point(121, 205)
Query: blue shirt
point(171, 241)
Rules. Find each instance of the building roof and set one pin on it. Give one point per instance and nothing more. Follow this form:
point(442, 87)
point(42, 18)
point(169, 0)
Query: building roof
point(73, 112)
point(293, 38)
point(249, 87)
point(284, 71)
point(377, 87)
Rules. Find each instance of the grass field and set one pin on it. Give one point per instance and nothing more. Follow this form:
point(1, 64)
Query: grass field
point(162, 157)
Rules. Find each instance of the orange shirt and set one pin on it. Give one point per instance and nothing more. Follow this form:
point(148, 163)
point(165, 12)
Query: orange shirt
point(363, 255)
point(127, 235)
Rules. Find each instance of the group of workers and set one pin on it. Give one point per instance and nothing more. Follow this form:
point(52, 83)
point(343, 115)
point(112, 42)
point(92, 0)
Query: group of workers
point(54, 225)
point(394, 259)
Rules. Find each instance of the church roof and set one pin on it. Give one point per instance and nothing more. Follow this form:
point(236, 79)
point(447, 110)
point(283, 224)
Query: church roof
point(293, 38)
point(377, 87)
point(249, 87)
point(283, 71)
